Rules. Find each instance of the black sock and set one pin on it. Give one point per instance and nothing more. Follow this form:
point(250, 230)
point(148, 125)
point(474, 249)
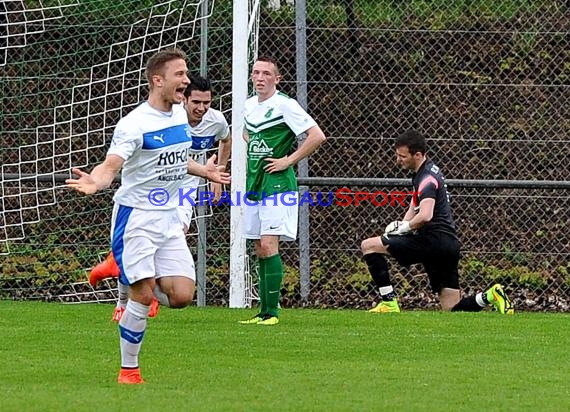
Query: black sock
point(378, 267)
point(467, 304)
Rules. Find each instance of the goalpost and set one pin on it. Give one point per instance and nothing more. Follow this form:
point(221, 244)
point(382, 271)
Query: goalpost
point(69, 70)
point(239, 95)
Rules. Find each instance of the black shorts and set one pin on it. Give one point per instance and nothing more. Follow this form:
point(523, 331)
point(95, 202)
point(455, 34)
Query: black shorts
point(438, 252)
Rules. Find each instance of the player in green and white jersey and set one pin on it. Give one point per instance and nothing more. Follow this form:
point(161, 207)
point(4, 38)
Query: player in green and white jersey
point(272, 123)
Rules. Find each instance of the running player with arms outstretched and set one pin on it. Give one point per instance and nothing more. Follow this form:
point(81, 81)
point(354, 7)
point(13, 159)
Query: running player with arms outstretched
point(208, 126)
point(151, 146)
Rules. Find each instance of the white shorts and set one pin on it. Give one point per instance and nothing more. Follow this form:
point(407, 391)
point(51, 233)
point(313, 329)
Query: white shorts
point(186, 205)
point(149, 244)
point(276, 215)
point(185, 214)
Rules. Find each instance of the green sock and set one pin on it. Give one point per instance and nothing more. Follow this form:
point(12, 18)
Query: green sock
point(262, 287)
point(273, 279)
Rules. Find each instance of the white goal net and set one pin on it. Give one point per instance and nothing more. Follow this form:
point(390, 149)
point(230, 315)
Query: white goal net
point(69, 70)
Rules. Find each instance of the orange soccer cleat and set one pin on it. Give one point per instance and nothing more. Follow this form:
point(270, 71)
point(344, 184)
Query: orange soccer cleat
point(153, 308)
point(106, 269)
point(130, 376)
point(118, 313)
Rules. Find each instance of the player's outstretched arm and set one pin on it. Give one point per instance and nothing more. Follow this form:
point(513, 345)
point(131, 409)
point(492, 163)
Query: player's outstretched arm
point(210, 171)
point(100, 177)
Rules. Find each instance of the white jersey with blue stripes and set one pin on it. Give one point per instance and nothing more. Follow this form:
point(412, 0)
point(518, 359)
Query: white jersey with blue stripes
point(212, 127)
point(155, 146)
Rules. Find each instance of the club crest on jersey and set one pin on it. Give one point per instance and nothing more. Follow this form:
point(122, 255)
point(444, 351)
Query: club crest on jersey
point(269, 113)
point(203, 142)
point(259, 148)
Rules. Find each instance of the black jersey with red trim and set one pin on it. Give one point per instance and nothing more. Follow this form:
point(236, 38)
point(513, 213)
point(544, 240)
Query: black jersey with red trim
point(429, 182)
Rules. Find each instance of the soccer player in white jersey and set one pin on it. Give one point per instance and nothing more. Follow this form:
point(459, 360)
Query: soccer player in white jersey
point(151, 146)
point(207, 127)
point(272, 123)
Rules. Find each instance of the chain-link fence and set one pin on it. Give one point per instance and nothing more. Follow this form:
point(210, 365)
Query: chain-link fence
point(487, 81)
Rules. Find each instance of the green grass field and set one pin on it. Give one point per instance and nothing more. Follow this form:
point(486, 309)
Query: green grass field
point(66, 358)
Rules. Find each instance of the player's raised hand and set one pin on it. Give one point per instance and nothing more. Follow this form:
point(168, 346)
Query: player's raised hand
point(276, 165)
point(215, 173)
point(85, 184)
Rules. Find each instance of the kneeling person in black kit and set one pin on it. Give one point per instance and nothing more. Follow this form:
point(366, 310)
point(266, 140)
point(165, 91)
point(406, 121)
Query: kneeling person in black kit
point(426, 235)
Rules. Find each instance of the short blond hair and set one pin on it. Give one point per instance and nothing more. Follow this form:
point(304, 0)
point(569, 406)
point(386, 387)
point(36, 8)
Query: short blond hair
point(155, 64)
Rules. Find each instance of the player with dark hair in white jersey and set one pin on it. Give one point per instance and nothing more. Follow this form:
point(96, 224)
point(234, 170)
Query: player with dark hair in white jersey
point(208, 127)
point(151, 145)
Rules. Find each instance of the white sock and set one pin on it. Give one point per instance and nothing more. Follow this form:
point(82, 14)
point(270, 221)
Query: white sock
point(123, 291)
point(131, 328)
point(479, 299)
point(161, 296)
point(384, 290)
